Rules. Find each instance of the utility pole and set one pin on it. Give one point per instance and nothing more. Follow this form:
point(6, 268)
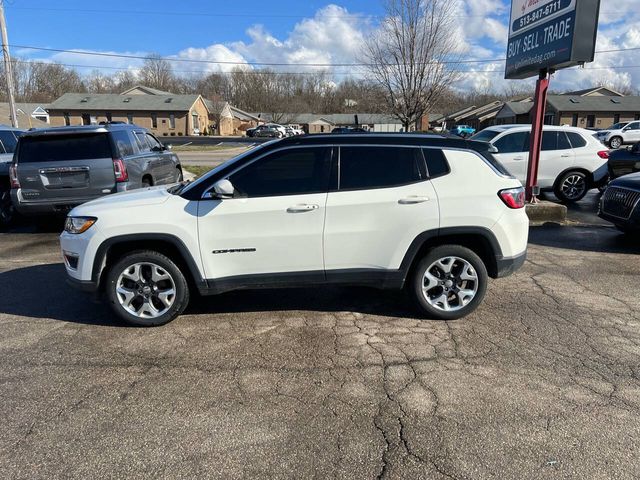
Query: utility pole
point(7, 67)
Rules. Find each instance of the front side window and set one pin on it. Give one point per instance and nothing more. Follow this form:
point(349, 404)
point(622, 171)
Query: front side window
point(378, 167)
point(294, 171)
point(516, 142)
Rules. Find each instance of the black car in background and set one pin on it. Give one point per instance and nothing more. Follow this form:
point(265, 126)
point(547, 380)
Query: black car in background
point(620, 203)
point(624, 161)
point(349, 130)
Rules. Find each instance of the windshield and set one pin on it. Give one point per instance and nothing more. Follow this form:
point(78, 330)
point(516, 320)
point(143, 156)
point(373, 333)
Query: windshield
point(188, 186)
point(618, 126)
point(484, 136)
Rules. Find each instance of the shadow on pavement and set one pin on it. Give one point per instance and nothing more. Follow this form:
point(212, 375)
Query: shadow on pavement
point(41, 291)
point(604, 239)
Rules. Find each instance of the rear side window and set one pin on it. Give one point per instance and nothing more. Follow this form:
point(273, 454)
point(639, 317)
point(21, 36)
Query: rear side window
point(555, 140)
point(576, 140)
point(378, 167)
point(296, 171)
point(123, 143)
point(60, 148)
point(8, 142)
point(437, 165)
point(513, 142)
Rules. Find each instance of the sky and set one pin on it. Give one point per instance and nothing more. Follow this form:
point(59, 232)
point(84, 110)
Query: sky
point(292, 33)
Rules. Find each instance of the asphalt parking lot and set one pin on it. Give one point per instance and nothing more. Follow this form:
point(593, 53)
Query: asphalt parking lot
point(542, 381)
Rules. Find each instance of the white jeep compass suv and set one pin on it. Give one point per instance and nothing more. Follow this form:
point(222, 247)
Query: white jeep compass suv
point(434, 215)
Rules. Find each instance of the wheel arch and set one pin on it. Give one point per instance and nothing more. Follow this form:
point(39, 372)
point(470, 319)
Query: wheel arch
point(115, 248)
point(589, 175)
point(478, 239)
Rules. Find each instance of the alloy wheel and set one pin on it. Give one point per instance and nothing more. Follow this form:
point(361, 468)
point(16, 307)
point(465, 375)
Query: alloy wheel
point(573, 186)
point(615, 143)
point(450, 284)
point(145, 290)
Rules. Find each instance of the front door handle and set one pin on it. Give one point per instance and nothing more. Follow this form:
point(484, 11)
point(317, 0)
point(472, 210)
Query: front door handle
point(412, 200)
point(301, 208)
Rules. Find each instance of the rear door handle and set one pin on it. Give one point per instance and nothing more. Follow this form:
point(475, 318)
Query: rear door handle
point(301, 208)
point(412, 200)
point(518, 158)
point(565, 156)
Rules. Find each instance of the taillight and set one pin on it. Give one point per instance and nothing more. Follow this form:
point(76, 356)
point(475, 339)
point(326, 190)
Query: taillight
point(513, 197)
point(603, 154)
point(13, 176)
point(120, 170)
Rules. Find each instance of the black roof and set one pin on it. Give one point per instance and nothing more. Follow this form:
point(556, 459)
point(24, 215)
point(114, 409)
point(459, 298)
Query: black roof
point(412, 139)
point(107, 127)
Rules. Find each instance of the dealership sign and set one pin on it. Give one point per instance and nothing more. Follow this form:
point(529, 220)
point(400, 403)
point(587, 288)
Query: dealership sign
point(550, 34)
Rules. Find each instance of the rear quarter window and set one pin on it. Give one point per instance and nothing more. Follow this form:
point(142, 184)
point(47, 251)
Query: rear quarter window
point(60, 148)
point(8, 141)
point(123, 142)
point(437, 164)
point(576, 140)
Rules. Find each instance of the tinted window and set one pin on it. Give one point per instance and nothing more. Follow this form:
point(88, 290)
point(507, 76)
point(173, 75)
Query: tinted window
point(634, 126)
point(563, 141)
point(288, 172)
point(484, 136)
point(123, 143)
point(151, 140)
point(8, 140)
point(56, 148)
point(378, 167)
point(141, 138)
point(576, 140)
point(513, 142)
point(436, 162)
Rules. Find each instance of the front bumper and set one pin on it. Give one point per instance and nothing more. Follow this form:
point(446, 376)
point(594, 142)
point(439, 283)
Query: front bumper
point(508, 266)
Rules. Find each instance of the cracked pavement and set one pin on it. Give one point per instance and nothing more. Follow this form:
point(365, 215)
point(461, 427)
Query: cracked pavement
point(542, 381)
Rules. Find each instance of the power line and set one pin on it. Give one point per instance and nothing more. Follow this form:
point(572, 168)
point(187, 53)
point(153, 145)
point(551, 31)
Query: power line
point(269, 64)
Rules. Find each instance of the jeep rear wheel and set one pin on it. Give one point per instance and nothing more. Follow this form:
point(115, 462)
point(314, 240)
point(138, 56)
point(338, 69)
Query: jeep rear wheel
point(146, 289)
point(449, 282)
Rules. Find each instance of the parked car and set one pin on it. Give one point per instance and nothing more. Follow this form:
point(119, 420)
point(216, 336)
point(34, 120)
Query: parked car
point(55, 169)
point(349, 130)
point(271, 131)
point(572, 161)
point(8, 141)
point(624, 161)
point(438, 216)
point(290, 131)
point(620, 134)
point(463, 131)
point(620, 203)
point(251, 132)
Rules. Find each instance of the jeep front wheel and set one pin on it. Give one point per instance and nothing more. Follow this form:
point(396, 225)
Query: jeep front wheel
point(449, 282)
point(146, 289)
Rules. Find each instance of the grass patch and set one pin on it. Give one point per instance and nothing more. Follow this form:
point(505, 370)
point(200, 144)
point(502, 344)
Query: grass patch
point(198, 170)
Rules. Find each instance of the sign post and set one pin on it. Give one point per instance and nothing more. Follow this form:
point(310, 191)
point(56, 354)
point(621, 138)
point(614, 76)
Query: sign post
point(544, 36)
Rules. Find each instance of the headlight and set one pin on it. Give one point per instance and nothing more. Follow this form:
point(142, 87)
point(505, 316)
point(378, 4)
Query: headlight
point(77, 225)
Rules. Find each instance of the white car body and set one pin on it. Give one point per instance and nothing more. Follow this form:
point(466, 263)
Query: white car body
point(351, 236)
point(620, 134)
point(585, 156)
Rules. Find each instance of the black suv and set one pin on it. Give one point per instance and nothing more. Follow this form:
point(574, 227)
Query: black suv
point(55, 169)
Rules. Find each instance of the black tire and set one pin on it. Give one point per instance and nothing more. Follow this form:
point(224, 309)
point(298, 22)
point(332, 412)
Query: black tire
point(615, 142)
point(180, 176)
point(164, 264)
point(571, 186)
point(7, 210)
point(473, 266)
point(147, 182)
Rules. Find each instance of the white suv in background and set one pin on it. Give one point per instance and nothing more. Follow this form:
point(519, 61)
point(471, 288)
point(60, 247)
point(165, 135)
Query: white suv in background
point(620, 134)
point(572, 160)
point(435, 215)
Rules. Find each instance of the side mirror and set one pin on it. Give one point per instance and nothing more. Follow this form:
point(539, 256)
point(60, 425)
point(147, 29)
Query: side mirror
point(221, 189)
point(157, 149)
point(168, 147)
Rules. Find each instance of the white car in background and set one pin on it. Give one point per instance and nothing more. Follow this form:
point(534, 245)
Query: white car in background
point(620, 134)
point(572, 160)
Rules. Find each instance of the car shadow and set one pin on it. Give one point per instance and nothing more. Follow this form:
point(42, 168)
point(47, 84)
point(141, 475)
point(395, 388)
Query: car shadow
point(41, 291)
point(590, 238)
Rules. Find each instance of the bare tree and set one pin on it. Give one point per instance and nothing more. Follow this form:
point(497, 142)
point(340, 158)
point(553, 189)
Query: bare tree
point(157, 73)
point(413, 56)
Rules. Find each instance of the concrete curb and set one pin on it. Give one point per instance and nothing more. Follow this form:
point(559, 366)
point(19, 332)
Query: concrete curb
point(544, 211)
